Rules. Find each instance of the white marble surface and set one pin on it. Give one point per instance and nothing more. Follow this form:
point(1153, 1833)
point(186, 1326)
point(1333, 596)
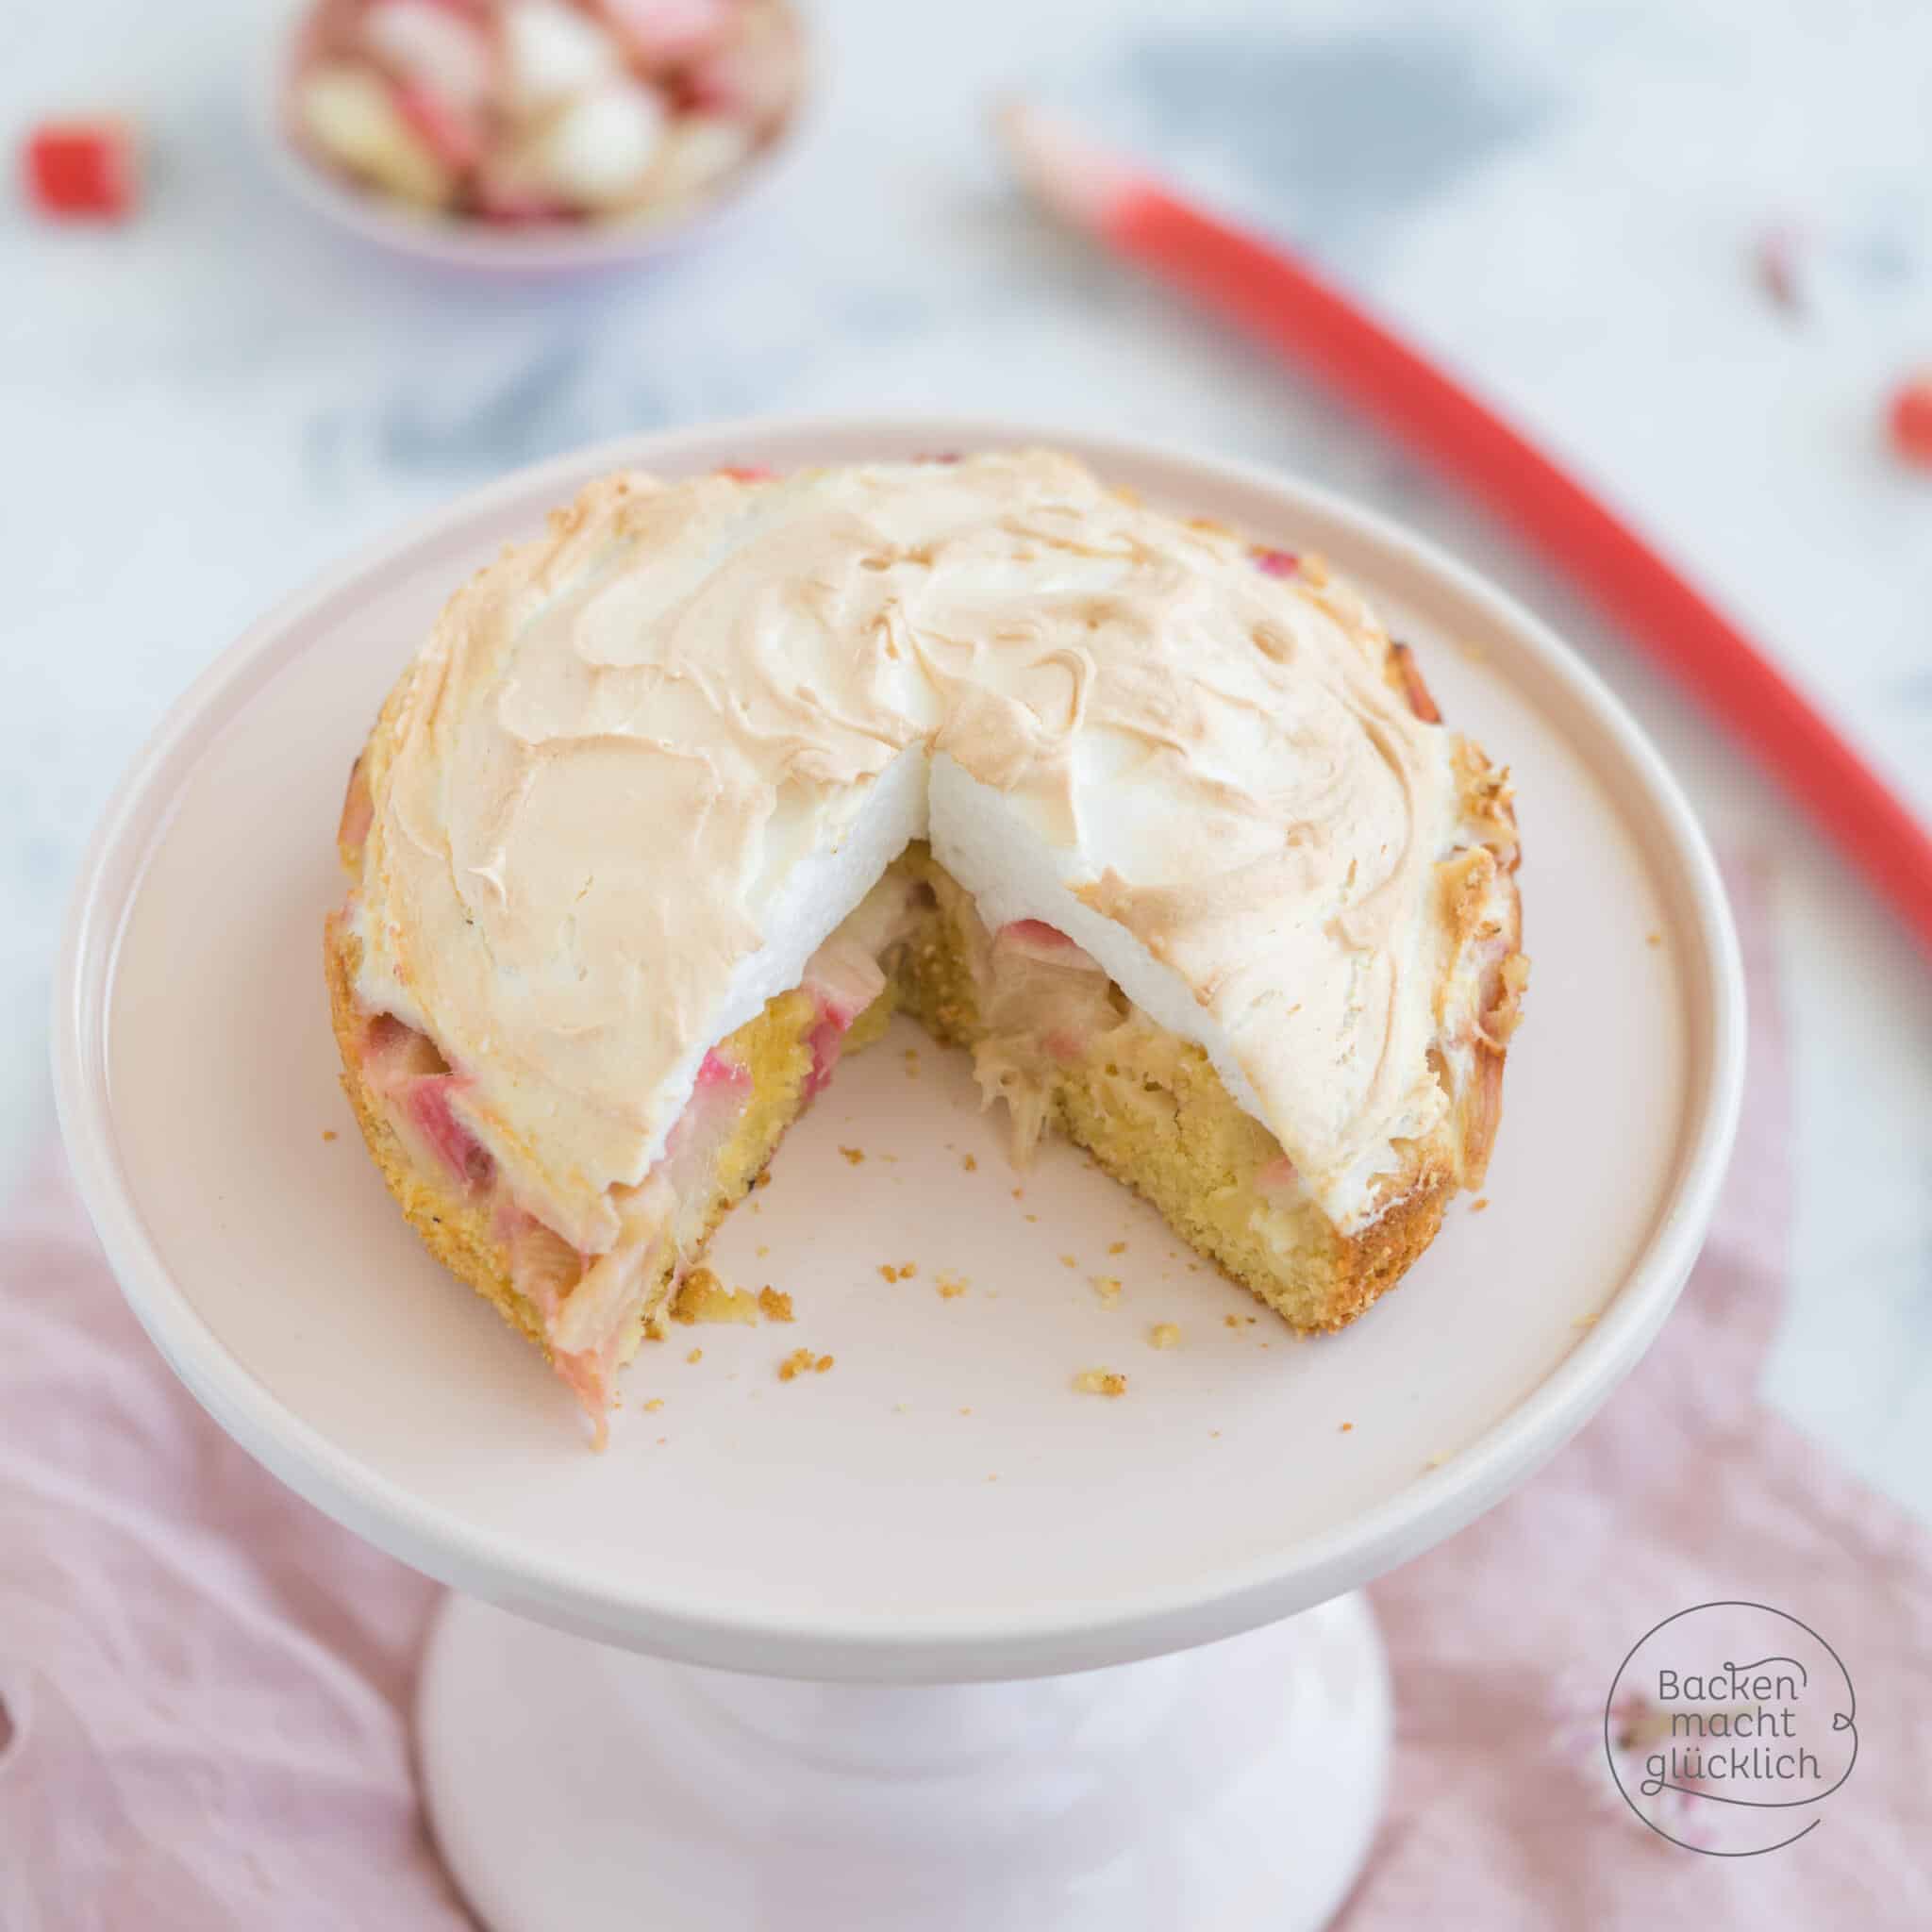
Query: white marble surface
point(201, 409)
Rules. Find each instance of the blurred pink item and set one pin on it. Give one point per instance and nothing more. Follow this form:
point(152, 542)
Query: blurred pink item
point(452, 133)
point(429, 46)
point(208, 1685)
point(754, 76)
point(1910, 419)
point(661, 33)
point(540, 113)
point(1779, 259)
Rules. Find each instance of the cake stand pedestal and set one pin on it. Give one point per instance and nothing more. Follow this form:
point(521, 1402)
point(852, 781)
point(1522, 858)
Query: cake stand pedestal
point(1231, 1788)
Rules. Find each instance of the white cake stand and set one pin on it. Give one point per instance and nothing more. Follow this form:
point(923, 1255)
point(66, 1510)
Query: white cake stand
point(931, 1540)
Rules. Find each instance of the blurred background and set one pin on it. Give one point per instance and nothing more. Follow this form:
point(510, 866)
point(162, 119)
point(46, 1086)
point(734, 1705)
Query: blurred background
point(1687, 245)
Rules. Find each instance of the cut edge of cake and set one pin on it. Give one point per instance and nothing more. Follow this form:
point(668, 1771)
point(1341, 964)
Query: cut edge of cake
point(1146, 1105)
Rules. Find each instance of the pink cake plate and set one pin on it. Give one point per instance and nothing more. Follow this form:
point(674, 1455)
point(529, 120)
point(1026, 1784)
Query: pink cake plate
point(929, 1639)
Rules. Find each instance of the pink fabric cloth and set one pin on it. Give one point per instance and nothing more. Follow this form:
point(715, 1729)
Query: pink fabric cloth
point(206, 1683)
point(1685, 1489)
point(209, 1683)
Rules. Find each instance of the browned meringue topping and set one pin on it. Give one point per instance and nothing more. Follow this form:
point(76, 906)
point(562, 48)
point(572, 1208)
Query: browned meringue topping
point(647, 764)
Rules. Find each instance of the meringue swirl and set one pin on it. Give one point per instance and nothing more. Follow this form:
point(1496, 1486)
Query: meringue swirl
point(647, 763)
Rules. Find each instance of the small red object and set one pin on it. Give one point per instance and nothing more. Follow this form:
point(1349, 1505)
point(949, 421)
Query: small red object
point(1910, 419)
point(80, 170)
point(746, 472)
point(1277, 563)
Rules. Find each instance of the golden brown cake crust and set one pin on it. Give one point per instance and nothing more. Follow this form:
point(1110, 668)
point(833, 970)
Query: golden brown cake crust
point(1350, 1271)
point(456, 1231)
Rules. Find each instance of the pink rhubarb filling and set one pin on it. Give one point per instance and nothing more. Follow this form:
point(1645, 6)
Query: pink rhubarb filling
point(1042, 986)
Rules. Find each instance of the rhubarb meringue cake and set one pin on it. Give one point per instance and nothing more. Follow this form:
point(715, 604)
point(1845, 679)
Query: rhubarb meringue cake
point(682, 798)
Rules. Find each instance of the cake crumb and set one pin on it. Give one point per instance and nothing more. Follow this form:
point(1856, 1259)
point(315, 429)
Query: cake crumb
point(1584, 1322)
point(1214, 1435)
point(1100, 1382)
point(762, 1250)
point(1435, 1462)
point(328, 1133)
point(853, 1155)
point(992, 1479)
point(764, 1179)
point(1019, 1193)
point(951, 1285)
point(652, 1407)
point(774, 1304)
point(1107, 1287)
point(888, 1271)
point(824, 1362)
point(1033, 1217)
point(908, 1270)
point(1164, 1335)
point(1480, 1202)
point(1653, 938)
point(697, 1355)
point(1231, 1321)
point(798, 1362)
point(701, 1297)
point(965, 1411)
point(1117, 1248)
point(1069, 1261)
point(900, 1408)
point(971, 1164)
point(1344, 1428)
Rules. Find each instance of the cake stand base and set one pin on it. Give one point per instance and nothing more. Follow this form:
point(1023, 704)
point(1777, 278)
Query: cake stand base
point(1218, 1790)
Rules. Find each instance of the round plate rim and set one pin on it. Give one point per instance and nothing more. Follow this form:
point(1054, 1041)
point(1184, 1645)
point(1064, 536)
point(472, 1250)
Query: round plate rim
point(1056, 1637)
